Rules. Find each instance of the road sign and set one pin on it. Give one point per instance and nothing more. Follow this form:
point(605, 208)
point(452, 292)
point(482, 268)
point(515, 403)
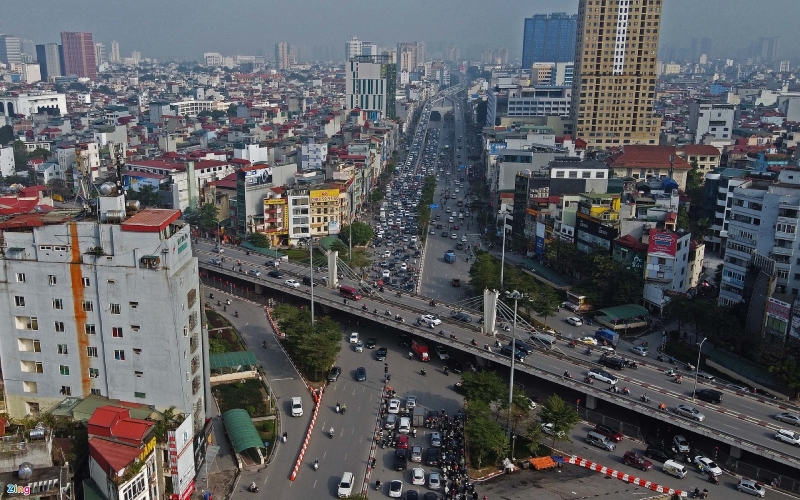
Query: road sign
point(434, 206)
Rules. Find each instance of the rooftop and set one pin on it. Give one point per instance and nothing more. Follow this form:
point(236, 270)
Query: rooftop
point(151, 220)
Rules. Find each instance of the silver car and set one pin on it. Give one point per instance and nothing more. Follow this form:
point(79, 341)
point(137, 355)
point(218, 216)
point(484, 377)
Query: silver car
point(690, 412)
point(752, 487)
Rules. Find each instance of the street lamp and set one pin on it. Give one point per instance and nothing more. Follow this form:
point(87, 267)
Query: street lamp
point(697, 366)
point(309, 240)
point(516, 296)
point(503, 254)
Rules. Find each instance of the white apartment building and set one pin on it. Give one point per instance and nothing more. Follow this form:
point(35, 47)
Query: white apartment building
point(540, 101)
point(299, 206)
point(719, 187)
point(669, 267)
point(712, 119)
point(352, 48)
point(108, 306)
point(313, 155)
point(178, 108)
point(7, 163)
point(369, 84)
point(30, 104)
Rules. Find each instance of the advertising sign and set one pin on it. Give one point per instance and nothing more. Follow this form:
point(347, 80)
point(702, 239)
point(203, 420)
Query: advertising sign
point(333, 227)
point(181, 459)
point(135, 182)
point(258, 176)
point(662, 242)
point(496, 147)
point(539, 245)
point(434, 206)
point(778, 309)
point(319, 195)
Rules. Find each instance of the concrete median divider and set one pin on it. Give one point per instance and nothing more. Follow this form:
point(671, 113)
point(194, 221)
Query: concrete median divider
point(623, 476)
point(317, 395)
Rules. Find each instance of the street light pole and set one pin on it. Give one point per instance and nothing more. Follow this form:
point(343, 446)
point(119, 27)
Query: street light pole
point(311, 266)
point(697, 367)
point(503, 257)
point(516, 295)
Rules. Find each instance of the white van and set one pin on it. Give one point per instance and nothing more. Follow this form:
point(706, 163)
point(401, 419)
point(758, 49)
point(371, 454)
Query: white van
point(673, 468)
point(542, 340)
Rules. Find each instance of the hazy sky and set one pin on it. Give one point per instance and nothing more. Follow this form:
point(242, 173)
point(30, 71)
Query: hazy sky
point(187, 28)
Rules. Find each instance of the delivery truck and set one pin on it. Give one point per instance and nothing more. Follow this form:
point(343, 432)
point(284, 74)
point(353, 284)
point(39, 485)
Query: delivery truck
point(421, 350)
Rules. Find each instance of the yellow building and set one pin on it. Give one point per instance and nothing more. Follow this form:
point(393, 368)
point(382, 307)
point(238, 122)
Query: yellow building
point(325, 211)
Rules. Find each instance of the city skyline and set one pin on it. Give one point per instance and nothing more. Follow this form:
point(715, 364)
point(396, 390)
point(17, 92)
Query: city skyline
point(159, 37)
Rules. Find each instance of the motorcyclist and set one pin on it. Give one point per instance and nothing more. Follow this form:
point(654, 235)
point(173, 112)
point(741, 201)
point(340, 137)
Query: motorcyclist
point(567, 374)
point(344, 409)
point(330, 432)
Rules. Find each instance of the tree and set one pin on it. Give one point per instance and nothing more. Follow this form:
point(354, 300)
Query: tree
point(679, 308)
point(484, 386)
point(338, 245)
point(232, 110)
point(105, 89)
point(563, 417)
point(683, 218)
point(362, 233)
point(78, 86)
point(788, 372)
point(42, 153)
point(534, 434)
point(6, 134)
point(147, 196)
point(58, 186)
point(480, 112)
point(546, 303)
point(258, 239)
point(487, 440)
point(376, 196)
point(207, 217)
point(360, 259)
point(694, 179)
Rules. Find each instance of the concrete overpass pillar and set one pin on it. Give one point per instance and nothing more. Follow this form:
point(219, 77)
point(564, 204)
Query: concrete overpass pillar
point(735, 453)
point(489, 311)
point(258, 289)
point(591, 402)
point(333, 272)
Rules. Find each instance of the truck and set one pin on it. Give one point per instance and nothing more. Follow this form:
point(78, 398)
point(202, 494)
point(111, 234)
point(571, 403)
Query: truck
point(607, 335)
point(450, 256)
point(418, 417)
point(421, 350)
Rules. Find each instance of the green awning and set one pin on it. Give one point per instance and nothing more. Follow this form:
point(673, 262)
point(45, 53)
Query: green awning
point(241, 430)
point(232, 359)
point(625, 312)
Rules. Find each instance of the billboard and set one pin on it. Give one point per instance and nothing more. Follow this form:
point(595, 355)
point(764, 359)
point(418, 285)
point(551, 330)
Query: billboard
point(135, 182)
point(320, 195)
point(181, 459)
point(496, 147)
point(258, 176)
point(539, 245)
point(779, 309)
point(333, 227)
point(663, 242)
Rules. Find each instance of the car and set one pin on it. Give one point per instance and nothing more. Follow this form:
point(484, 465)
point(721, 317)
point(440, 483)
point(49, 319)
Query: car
point(456, 227)
point(461, 316)
point(659, 453)
point(400, 459)
point(588, 341)
point(416, 453)
point(386, 273)
point(519, 355)
point(454, 236)
point(681, 444)
point(751, 487)
point(333, 375)
point(346, 485)
point(574, 321)
point(706, 376)
point(418, 476)
point(275, 274)
point(445, 234)
point(609, 432)
point(640, 350)
point(361, 374)
point(402, 441)
point(411, 402)
point(380, 354)
point(531, 403)
point(412, 495)
point(602, 375)
point(219, 249)
point(371, 343)
point(788, 437)
point(434, 482)
point(432, 231)
point(436, 439)
point(441, 352)
point(689, 412)
point(404, 425)
point(394, 406)
point(463, 239)
point(430, 320)
point(454, 365)
point(215, 262)
point(706, 465)
point(432, 457)
point(297, 407)
point(633, 459)
point(254, 272)
point(548, 429)
point(292, 283)
point(391, 421)
point(354, 338)
point(709, 395)
point(789, 418)
point(359, 346)
point(396, 488)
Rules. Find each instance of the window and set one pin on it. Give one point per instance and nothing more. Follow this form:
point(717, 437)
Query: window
point(138, 374)
point(114, 308)
point(66, 390)
point(586, 175)
point(573, 175)
point(19, 301)
point(97, 392)
point(137, 351)
point(559, 174)
point(89, 329)
point(59, 325)
point(119, 354)
point(86, 282)
point(62, 349)
point(51, 279)
point(91, 352)
point(88, 306)
point(58, 304)
point(135, 328)
point(94, 373)
point(139, 395)
point(20, 277)
point(116, 332)
point(133, 305)
point(64, 369)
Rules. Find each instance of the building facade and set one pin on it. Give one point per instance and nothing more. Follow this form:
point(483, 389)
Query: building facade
point(10, 50)
point(370, 84)
point(115, 52)
point(714, 119)
point(79, 55)
point(549, 38)
point(33, 103)
point(49, 58)
point(540, 101)
point(615, 72)
point(282, 55)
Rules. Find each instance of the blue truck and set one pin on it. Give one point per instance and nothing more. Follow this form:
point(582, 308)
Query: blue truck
point(607, 335)
point(450, 256)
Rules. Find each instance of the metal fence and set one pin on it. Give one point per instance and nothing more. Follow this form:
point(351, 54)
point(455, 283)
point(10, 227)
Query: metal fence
point(762, 475)
point(623, 427)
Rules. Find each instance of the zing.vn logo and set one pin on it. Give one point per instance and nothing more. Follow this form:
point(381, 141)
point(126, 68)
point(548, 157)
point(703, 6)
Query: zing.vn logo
point(13, 488)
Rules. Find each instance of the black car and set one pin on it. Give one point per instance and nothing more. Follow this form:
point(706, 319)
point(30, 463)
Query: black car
point(333, 375)
point(405, 340)
point(412, 495)
point(432, 457)
point(460, 316)
point(445, 234)
point(361, 374)
point(400, 459)
point(430, 496)
point(275, 274)
point(658, 453)
point(380, 355)
point(371, 342)
point(709, 395)
point(522, 346)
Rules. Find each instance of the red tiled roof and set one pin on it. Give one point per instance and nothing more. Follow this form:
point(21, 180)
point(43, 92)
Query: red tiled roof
point(151, 220)
point(630, 242)
point(112, 455)
point(640, 156)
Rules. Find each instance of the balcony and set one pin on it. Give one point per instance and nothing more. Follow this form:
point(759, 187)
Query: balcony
point(193, 321)
point(191, 298)
point(194, 343)
point(195, 364)
point(196, 385)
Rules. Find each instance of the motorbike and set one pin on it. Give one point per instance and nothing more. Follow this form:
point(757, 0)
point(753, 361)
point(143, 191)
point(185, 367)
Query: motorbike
point(453, 337)
point(441, 332)
point(399, 318)
point(219, 302)
point(338, 408)
point(713, 479)
point(228, 302)
point(671, 373)
point(587, 379)
point(423, 372)
point(432, 303)
point(387, 313)
point(588, 352)
point(330, 433)
point(378, 485)
point(364, 307)
point(375, 311)
point(678, 380)
point(284, 437)
point(571, 344)
point(210, 295)
point(645, 398)
point(567, 375)
point(398, 294)
point(247, 252)
point(625, 391)
point(252, 488)
point(236, 313)
point(316, 464)
point(474, 343)
point(264, 344)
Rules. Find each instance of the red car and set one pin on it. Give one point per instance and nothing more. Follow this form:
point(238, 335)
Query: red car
point(402, 442)
point(455, 228)
point(608, 432)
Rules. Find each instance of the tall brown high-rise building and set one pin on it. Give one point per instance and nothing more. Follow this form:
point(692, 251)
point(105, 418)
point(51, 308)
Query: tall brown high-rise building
point(79, 55)
point(615, 72)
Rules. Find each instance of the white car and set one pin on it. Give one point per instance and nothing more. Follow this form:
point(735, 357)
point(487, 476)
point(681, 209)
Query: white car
point(394, 406)
point(434, 482)
point(789, 418)
point(354, 338)
point(386, 273)
point(430, 320)
point(603, 376)
point(292, 283)
point(641, 351)
point(463, 239)
point(548, 429)
point(681, 444)
point(346, 485)
point(387, 254)
point(574, 321)
point(751, 487)
point(418, 476)
point(396, 489)
point(403, 266)
point(690, 412)
point(297, 407)
point(359, 346)
point(411, 402)
point(707, 465)
point(441, 352)
point(788, 437)
point(404, 426)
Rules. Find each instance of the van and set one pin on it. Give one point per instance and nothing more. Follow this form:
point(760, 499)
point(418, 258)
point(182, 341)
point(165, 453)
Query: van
point(546, 341)
point(709, 395)
point(599, 440)
point(673, 468)
point(615, 363)
point(349, 292)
